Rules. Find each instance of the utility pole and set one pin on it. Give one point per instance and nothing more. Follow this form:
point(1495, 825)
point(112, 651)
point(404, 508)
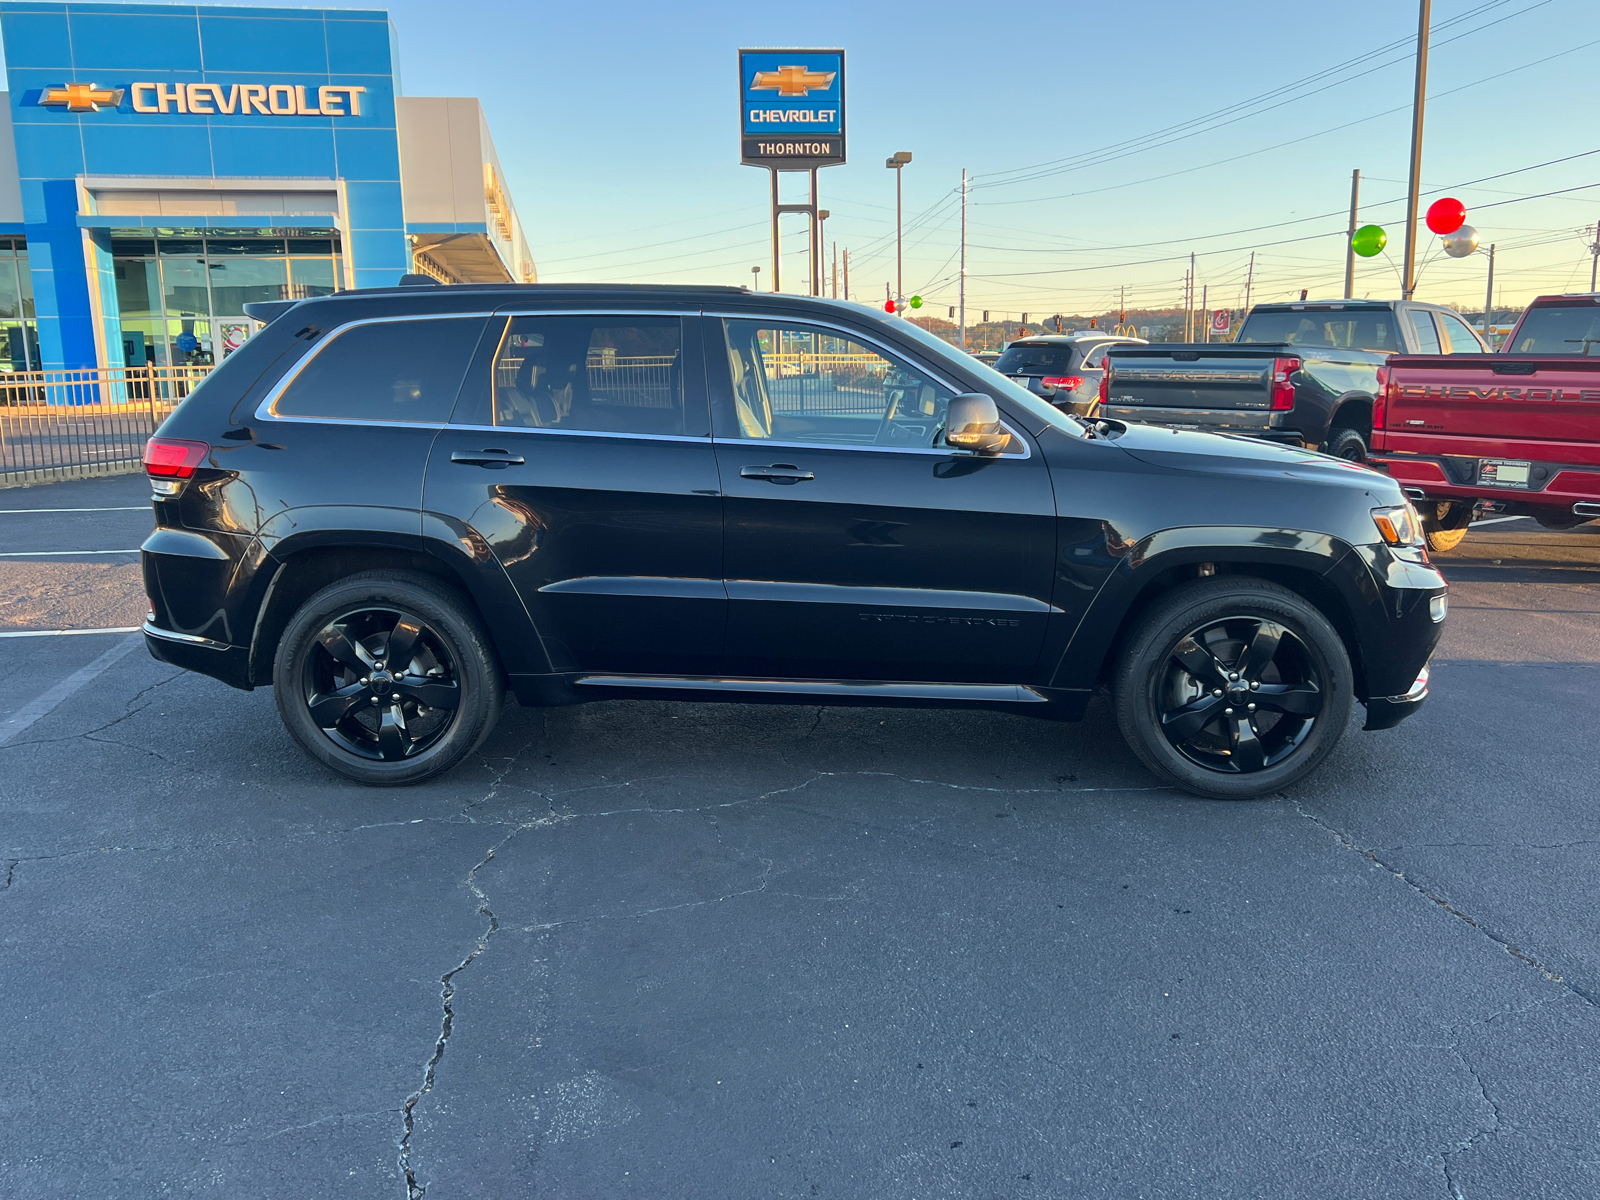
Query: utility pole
point(836, 270)
point(1205, 310)
point(847, 272)
point(1424, 8)
point(1249, 278)
point(963, 290)
point(896, 163)
point(1189, 307)
point(1350, 239)
point(774, 175)
point(1594, 260)
point(1488, 301)
point(818, 283)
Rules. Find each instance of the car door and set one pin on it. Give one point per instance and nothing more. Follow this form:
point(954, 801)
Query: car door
point(856, 545)
point(580, 457)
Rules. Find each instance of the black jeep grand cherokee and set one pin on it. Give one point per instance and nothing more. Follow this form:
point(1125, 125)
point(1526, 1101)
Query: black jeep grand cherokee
point(393, 504)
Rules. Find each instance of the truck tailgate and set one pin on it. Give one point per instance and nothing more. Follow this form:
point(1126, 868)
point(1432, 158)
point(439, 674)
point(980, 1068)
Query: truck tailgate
point(1192, 378)
point(1495, 397)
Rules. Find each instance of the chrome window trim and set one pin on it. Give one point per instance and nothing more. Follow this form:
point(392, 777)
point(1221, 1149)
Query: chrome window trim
point(892, 352)
point(595, 433)
point(266, 411)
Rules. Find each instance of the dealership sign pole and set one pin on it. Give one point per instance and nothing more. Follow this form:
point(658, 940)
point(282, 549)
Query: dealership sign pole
point(791, 118)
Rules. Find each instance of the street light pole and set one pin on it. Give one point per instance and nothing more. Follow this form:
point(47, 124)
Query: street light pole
point(1488, 301)
point(896, 163)
point(1409, 286)
point(963, 258)
point(1350, 240)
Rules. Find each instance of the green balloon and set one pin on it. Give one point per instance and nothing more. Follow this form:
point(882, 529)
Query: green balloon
point(916, 302)
point(1369, 240)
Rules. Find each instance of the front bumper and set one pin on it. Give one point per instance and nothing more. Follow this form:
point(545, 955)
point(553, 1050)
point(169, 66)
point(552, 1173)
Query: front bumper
point(230, 664)
point(1399, 628)
point(1385, 712)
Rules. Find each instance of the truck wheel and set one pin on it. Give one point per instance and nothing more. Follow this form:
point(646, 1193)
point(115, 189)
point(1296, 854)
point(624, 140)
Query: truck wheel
point(1233, 688)
point(387, 678)
point(1348, 444)
point(1445, 524)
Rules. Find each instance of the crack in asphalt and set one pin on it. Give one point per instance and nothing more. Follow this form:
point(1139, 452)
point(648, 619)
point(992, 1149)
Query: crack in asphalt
point(11, 865)
point(1504, 943)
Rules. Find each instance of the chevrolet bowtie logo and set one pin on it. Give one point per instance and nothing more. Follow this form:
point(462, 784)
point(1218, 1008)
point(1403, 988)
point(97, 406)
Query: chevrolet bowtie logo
point(81, 97)
point(792, 81)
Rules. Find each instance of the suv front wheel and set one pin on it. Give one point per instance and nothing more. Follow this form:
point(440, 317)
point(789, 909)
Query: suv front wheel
point(387, 678)
point(1233, 688)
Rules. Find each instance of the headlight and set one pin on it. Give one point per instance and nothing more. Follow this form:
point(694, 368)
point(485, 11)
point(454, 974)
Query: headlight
point(1399, 525)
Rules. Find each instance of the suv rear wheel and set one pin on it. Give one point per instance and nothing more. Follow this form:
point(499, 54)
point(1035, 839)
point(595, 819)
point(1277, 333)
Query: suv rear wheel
point(1233, 688)
point(387, 678)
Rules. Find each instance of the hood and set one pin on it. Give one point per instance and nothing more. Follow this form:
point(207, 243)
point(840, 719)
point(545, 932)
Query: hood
point(1229, 454)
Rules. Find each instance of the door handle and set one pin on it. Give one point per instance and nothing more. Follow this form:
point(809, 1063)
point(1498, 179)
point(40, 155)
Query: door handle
point(492, 458)
point(776, 473)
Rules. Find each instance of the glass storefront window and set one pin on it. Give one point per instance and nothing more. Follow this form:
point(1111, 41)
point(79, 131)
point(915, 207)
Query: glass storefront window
point(182, 295)
point(19, 333)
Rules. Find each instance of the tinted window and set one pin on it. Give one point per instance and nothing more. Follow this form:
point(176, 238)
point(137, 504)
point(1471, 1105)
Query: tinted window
point(1331, 330)
point(1462, 339)
point(385, 371)
point(1559, 330)
point(1427, 335)
point(797, 384)
point(991, 381)
point(601, 374)
point(1038, 359)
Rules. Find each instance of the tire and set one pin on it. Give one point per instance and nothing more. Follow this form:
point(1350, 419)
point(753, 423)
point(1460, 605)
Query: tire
point(1347, 444)
point(1445, 524)
point(1157, 696)
point(450, 686)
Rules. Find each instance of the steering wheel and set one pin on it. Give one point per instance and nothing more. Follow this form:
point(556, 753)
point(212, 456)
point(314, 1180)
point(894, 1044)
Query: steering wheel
point(897, 430)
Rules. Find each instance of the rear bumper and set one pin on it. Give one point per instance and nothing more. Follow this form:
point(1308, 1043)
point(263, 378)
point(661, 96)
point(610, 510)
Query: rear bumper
point(1269, 426)
point(1454, 477)
point(230, 664)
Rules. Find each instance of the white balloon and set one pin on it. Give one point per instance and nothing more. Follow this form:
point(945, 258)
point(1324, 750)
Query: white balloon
point(1461, 243)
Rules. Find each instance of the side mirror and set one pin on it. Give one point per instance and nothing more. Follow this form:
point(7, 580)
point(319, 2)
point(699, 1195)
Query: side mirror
point(973, 423)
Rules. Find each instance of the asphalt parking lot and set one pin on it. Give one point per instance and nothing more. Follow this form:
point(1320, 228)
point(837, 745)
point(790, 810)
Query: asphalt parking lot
point(670, 950)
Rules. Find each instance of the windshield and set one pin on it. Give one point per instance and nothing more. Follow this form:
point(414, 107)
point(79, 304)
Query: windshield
point(996, 383)
point(1039, 358)
point(1372, 329)
point(1564, 329)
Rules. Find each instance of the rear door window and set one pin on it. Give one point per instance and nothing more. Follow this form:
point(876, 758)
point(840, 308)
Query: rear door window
point(1427, 336)
point(1462, 339)
point(383, 371)
point(1328, 329)
point(606, 373)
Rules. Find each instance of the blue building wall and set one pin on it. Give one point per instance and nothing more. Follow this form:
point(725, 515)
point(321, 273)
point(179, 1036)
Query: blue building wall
point(113, 46)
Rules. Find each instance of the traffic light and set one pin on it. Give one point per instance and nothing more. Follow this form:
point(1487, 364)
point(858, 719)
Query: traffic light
point(1024, 318)
point(1058, 322)
point(1094, 322)
point(986, 316)
point(1302, 294)
point(952, 312)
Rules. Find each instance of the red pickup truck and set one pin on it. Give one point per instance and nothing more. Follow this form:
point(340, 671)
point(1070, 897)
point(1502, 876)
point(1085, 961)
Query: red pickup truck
point(1515, 432)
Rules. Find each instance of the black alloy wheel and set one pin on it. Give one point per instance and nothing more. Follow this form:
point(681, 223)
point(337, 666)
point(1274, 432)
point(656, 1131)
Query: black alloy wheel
point(380, 683)
point(1240, 694)
point(1233, 687)
point(387, 678)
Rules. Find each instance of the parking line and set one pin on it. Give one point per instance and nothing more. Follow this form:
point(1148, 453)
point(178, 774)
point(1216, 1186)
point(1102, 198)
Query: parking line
point(59, 553)
point(127, 508)
point(45, 704)
point(10, 633)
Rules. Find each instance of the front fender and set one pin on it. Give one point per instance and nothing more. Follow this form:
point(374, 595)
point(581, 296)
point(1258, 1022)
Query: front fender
point(1162, 559)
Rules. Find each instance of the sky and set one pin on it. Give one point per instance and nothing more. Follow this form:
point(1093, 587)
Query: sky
point(1105, 142)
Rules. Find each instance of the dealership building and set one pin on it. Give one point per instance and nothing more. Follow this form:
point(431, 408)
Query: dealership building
point(161, 166)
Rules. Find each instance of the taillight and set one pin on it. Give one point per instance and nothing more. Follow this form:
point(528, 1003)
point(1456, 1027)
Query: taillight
point(1064, 382)
point(1282, 388)
point(169, 461)
point(1380, 399)
point(1105, 381)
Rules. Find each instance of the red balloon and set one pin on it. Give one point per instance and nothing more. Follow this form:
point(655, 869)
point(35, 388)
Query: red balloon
point(1447, 215)
point(888, 305)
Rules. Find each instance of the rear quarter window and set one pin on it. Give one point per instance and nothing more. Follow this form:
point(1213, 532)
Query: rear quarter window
point(406, 371)
point(1573, 329)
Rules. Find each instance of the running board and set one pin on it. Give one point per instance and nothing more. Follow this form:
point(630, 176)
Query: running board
point(983, 693)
